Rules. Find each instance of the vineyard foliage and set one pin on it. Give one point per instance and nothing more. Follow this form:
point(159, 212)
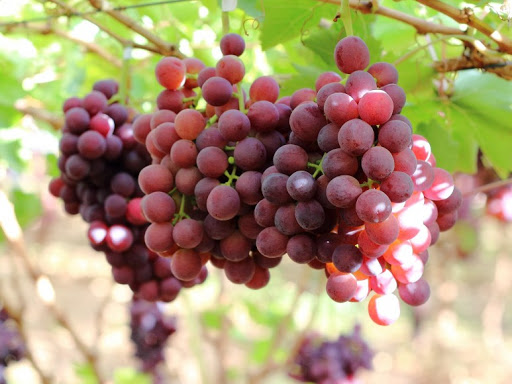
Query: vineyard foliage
point(51, 52)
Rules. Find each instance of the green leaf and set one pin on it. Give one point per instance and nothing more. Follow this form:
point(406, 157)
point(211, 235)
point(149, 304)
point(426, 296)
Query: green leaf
point(485, 95)
point(264, 316)
point(213, 318)
point(323, 41)
point(286, 19)
point(444, 147)
point(130, 376)
point(251, 8)
point(453, 142)
point(85, 373)
point(260, 350)
point(52, 168)
point(485, 101)
point(212, 5)
point(305, 78)
point(27, 206)
point(10, 153)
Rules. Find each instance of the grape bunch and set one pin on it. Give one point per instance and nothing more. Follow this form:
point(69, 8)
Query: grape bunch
point(150, 329)
point(322, 361)
point(12, 346)
point(332, 176)
point(100, 161)
point(499, 203)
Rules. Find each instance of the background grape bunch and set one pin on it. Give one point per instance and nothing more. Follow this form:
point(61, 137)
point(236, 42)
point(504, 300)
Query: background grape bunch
point(12, 345)
point(317, 360)
point(99, 162)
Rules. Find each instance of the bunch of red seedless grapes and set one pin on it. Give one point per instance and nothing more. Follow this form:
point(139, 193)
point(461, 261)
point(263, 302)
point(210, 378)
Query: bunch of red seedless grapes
point(332, 176)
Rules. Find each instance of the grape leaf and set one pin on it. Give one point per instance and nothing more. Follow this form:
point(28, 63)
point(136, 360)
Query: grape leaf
point(454, 143)
point(486, 102)
point(296, 15)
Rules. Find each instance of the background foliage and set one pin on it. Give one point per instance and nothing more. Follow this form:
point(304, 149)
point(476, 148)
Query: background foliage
point(466, 115)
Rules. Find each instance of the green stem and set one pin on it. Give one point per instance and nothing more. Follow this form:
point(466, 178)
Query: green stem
point(346, 17)
point(212, 120)
point(225, 23)
point(317, 167)
point(181, 213)
point(231, 176)
point(228, 148)
point(369, 183)
point(124, 86)
point(240, 97)
point(192, 75)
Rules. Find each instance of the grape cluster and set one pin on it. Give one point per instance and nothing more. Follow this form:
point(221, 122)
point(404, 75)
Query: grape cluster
point(499, 203)
point(322, 361)
point(332, 176)
point(150, 329)
point(12, 346)
point(100, 161)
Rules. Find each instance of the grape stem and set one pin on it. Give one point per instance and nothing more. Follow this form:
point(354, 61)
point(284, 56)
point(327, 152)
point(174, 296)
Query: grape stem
point(488, 187)
point(346, 17)
point(231, 176)
point(368, 183)
point(240, 96)
point(212, 120)
point(229, 148)
point(181, 213)
point(317, 166)
point(225, 23)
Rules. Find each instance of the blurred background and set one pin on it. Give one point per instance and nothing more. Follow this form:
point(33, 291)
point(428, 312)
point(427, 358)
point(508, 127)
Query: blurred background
point(75, 320)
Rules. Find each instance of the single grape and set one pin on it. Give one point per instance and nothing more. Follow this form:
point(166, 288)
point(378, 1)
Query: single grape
point(377, 163)
point(384, 73)
point(232, 44)
point(373, 206)
point(355, 137)
point(170, 72)
point(351, 54)
point(347, 258)
point(301, 248)
point(341, 286)
point(223, 202)
point(375, 107)
point(264, 88)
point(340, 108)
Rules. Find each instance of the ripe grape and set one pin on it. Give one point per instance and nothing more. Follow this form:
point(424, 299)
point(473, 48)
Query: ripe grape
point(375, 107)
point(232, 44)
point(341, 287)
point(223, 202)
point(355, 137)
point(351, 54)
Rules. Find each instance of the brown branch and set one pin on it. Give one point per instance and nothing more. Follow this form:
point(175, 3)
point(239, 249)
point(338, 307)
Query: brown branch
point(467, 17)
point(488, 187)
point(422, 26)
point(46, 29)
point(476, 60)
point(39, 113)
point(14, 236)
point(124, 42)
point(279, 335)
point(165, 48)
